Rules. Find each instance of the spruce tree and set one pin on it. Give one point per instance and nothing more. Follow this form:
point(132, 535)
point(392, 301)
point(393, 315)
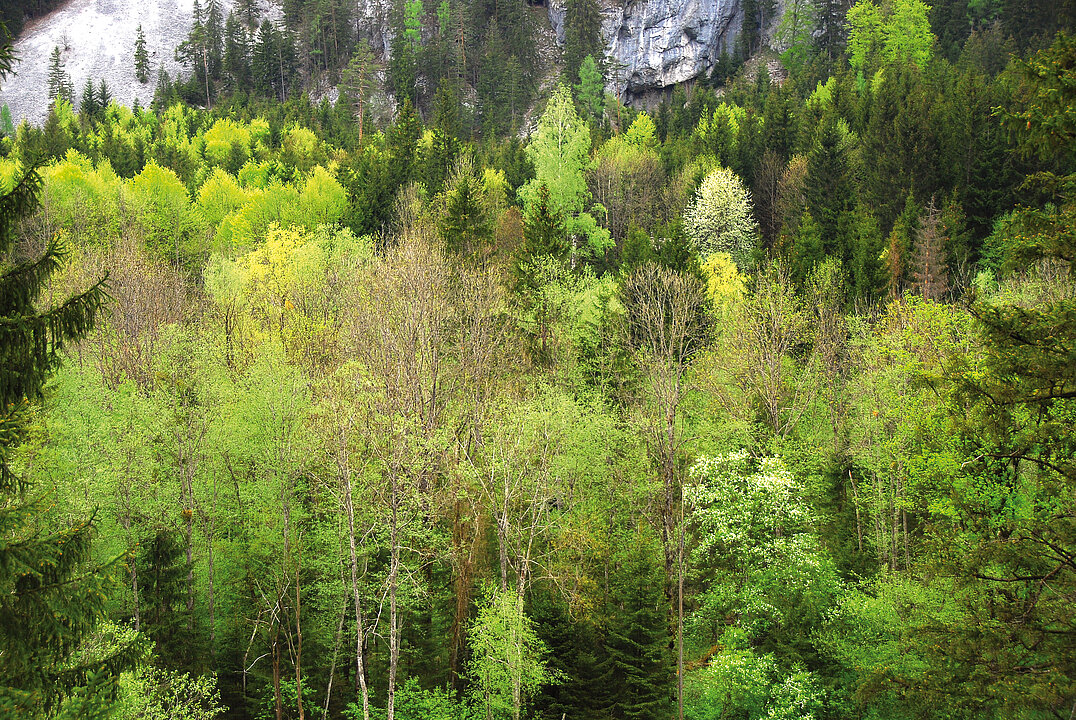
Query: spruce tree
point(88, 107)
point(104, 95)
point(50, 600)
point(466, 227)
point(59, 84)
point(637, 637)
point(141, 58)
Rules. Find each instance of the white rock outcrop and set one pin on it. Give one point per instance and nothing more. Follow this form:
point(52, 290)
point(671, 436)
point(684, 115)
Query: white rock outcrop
point(652, 44)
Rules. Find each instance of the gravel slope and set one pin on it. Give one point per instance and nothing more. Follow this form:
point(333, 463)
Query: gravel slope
point(96, 38)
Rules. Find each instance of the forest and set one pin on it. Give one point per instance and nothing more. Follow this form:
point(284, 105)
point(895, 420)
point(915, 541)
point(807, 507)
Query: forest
point(474, 393)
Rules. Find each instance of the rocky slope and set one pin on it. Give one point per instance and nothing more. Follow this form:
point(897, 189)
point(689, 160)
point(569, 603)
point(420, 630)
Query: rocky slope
point(650, 44)
point(97, 39)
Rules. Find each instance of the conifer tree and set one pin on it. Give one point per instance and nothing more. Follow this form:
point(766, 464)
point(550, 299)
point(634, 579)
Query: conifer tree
point(466, 227)
point(59, 84)
point(582, 33)
point(88, 106)
point(49, 599)
point(358, 81)
point(104, 95)
point(141, 58)
point(236, 61)
point(591, 88)
point(638, 636)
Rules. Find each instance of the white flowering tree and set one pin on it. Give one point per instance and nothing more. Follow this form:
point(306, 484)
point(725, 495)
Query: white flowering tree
point(767, 586)
point(720, 218)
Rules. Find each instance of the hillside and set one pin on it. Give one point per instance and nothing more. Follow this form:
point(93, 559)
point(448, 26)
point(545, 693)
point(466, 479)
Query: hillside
point(97, 39)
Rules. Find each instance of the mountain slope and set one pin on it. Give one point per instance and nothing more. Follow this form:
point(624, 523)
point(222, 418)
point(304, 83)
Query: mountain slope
point(97, 39)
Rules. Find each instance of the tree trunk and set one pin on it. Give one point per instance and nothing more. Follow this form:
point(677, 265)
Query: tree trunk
point(394, 569)
point(298, 643)
point(360, 674)
point(332, 665)
point(855, 500)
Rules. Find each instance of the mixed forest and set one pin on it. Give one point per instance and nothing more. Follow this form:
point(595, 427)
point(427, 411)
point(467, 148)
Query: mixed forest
point(475, 393)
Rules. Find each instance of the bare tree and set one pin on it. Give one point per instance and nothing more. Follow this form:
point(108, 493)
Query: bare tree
point(930, 274)
point(763, 364)
point(666, 325)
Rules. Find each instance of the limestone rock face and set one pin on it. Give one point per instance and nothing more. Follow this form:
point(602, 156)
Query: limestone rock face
point(652, 44)
point(372, 20)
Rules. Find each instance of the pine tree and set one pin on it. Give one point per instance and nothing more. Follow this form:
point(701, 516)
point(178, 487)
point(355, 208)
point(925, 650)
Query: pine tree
point(49, 599)
point(358, 81)
point(141, 58)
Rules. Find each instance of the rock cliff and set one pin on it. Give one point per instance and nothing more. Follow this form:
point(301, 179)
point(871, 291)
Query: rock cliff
point(652, 44)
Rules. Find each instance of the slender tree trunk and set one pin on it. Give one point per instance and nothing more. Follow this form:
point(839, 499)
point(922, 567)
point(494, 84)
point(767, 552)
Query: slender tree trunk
point(394, 569)
point(360, 674)
point(212, 591)
point(332, 665)
point(276, 674)
point(893, 532)
point(680, 618)
point(298, 642)
point(855, 500)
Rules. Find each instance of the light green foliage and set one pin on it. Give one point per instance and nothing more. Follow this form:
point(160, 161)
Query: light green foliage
point(892, 411)
point(283, 285)
point(642, 133)
point(508, 660)
point(161, 208)
point(720, 131)
point(899, 30)
point(152, 693)
point(821, 99)
point(301, 148)
point(724, 284)
point(254, 175)
point(625, 174)
point(753, 531)
point(559, 150)
point(720, 218)
point(739, 683)
point(219, 196)
point(765, 568)
point(322, 200)
point(416, 703)
point(795, 33)
point(591, 88)
point(413, 22)
point(227, 142)
point(84, 199)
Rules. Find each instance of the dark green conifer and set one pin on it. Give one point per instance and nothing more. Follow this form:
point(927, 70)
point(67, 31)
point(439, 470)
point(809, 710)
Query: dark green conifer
point(466, 226)
point(637, 636)
point(88, 107)
point(59, 84)
point(50, 600)
point(141, 58)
